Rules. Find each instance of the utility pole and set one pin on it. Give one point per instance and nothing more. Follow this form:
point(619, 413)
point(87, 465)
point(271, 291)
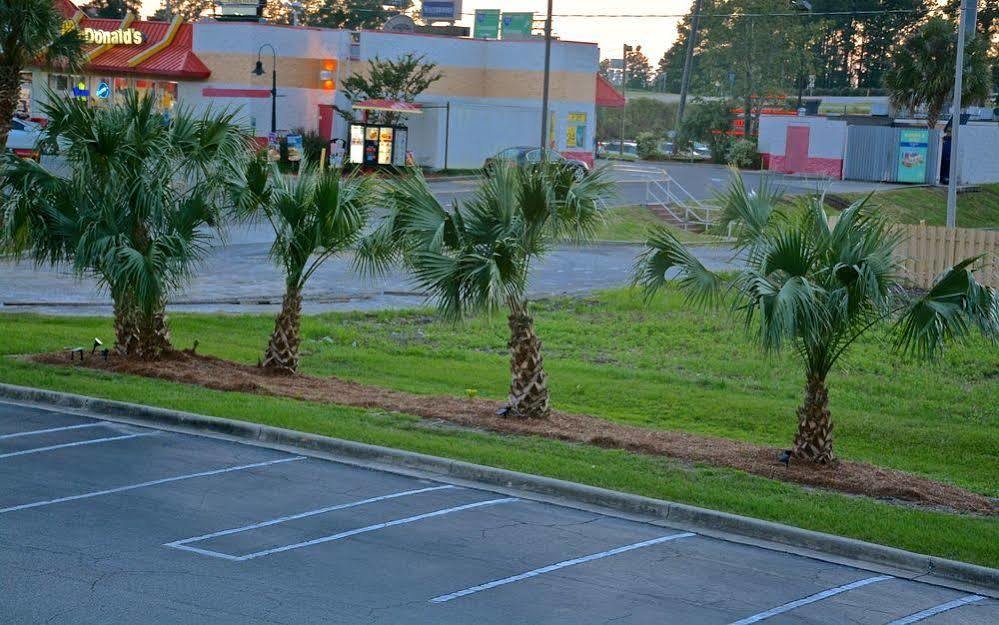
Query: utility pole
point(955, 116)
point(685, 81)
point(544, 96)
point(624, 91)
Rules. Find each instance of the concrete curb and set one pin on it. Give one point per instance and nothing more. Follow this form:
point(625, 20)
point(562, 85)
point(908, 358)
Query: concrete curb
point(917, 565)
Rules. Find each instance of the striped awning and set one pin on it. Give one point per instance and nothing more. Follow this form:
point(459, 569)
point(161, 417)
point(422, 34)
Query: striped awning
point(389, 106)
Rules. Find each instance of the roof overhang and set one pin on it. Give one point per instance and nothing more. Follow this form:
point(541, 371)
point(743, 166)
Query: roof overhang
point(608, 95)
point(389, 106)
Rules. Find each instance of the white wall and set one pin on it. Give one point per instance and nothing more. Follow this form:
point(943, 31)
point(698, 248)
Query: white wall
point(826, 137)
point(979, 147)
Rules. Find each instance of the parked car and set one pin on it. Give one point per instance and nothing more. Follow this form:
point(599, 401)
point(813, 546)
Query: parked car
point(526, 154)
point(24, 139)
point(612, 149)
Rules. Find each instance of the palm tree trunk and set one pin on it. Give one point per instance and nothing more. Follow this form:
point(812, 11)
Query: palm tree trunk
point(154, 335)
point(529, 383)
point(282, 350)
point(814, 440)
point(126, 329)
point(10, 90)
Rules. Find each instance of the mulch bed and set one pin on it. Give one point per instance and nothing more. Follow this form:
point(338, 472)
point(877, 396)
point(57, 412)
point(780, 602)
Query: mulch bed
point(845, 476)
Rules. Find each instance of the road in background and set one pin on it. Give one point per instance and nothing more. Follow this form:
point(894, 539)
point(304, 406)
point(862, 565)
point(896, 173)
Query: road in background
point(240, 277)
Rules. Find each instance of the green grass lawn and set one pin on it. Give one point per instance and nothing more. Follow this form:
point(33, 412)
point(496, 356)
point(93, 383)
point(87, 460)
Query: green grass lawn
point(662, 367)
point(632, 224)
point(975, 209)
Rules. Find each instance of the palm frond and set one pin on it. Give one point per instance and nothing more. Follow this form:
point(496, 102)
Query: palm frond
point(665, 255)
point(955, 305)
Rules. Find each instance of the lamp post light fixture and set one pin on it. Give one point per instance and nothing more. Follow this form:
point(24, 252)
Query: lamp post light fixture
point(258, 70)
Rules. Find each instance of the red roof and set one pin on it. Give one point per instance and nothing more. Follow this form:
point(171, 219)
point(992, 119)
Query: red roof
point(67, 8)
point(391, 106)
point(607, 94)
point(177, 60)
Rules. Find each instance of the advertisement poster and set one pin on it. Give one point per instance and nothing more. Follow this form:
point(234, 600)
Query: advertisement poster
point(385, 146)
point(357, 144)
point(273, 149)
point(487, 24)
point(913, 150)
point(294, 147)
point(517, 25)
point(575, 131)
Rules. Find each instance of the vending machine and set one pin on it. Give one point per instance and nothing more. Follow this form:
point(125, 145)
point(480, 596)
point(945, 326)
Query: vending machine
point(374, 145)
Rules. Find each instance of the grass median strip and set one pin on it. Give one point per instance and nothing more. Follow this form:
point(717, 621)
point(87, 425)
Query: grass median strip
point(662, 368)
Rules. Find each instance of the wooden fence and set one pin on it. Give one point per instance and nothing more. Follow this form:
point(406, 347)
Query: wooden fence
point(928, 250)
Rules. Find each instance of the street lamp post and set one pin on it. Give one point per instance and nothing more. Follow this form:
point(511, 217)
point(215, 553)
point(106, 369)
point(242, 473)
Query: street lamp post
point(258, 70)
point(624, 91)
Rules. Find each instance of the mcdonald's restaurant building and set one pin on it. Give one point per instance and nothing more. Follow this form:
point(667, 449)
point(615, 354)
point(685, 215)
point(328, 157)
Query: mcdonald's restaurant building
point(489, 97)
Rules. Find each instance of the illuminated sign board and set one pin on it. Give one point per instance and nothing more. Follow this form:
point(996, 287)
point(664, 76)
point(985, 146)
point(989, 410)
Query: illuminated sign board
point(121, 37)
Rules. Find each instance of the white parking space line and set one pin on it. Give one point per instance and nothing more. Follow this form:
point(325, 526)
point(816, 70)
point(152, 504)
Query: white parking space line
point(92, 441)
point(557, 566)
point(342, 535)
point(943, 607)
point(302, 515)
point(47, 430)
point(166, 480)
point(787, 607)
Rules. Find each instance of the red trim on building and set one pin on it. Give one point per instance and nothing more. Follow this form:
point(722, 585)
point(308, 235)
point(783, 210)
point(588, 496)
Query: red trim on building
point(608, 95)
point(832, 167)
point(217, 92)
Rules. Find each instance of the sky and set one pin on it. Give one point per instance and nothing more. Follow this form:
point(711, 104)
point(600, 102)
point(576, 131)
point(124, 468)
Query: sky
point(654, 34)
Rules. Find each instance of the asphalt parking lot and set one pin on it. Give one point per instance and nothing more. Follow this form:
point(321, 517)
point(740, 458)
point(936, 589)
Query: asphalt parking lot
point(108, 523)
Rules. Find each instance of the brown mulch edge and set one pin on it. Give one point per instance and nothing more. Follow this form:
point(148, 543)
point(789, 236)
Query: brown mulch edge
point(856, 478)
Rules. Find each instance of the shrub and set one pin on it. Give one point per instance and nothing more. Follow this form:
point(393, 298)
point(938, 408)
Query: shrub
point(648, 146)
point(743, 154)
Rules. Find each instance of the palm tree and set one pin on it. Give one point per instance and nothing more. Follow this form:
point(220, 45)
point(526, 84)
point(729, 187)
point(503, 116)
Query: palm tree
point(315, 216)
point(136, 209)
point(30, 30)
point(817, 288)
point(922, 72)
point(477, 256)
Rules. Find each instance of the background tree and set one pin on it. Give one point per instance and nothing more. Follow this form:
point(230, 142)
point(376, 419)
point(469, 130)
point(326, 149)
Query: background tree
point(604, 69)
point(350, 14)
point(113, 9)
point(641, 115)
point(708, 122)
point(922, 72)
point(751, 54)
point(315, 216)
point(29, 30)
point(669, 69)
point(638, 68)
point(400, 79)
point(816, 289)
point(188, 10)
point(135, 209)
point(477, 256)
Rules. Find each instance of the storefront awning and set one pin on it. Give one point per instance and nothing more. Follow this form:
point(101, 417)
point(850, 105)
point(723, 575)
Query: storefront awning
point(389, 106)
point(128, 46)
point(607, 94)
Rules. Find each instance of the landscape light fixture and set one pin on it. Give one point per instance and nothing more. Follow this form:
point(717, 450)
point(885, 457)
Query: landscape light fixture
point(258, 70)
